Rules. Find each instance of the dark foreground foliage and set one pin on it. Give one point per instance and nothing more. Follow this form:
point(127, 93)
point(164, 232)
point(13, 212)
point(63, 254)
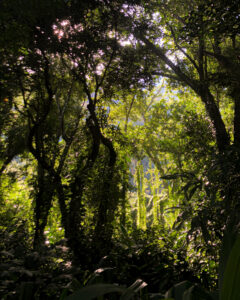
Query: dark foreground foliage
point(153, 256)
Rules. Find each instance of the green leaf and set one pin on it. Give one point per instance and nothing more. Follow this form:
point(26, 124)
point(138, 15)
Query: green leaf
point(157, 296)
point(196, 293)
point(63, 294)
point(95, 290)
point(134, 288)
point(230, 236)
point(178, 290)
point(26, 291)
point(231, 278)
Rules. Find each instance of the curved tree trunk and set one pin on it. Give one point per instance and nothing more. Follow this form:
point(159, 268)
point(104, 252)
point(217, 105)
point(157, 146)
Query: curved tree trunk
point(43, 203)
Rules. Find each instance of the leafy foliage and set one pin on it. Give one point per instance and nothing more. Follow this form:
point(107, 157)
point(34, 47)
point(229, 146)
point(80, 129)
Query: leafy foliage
point(119, 149)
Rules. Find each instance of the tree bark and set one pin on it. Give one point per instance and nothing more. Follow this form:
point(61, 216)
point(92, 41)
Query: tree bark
point(222, 137)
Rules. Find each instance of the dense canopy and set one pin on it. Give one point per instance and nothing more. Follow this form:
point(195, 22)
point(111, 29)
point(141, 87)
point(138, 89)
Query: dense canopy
point(119, 149)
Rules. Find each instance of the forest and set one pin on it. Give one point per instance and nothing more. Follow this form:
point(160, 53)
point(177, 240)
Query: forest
point(119, 149)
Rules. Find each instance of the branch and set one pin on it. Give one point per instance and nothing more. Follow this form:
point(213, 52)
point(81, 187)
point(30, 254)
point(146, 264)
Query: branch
point(67, 146)
point(181, 20)
point(62, 111)
point(7, 162)
point(200, 88)
point(170, 76)
point(180, 49)
point(128, 113)
point(160, 53)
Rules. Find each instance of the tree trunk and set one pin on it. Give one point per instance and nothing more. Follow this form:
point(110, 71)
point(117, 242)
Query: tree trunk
point(222, 137)
point(43, 202)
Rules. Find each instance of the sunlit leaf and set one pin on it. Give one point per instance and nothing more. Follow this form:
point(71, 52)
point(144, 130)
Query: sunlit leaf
point(96, 290)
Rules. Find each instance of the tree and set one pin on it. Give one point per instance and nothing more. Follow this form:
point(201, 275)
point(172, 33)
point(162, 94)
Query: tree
point(66, 70)
point(195, 45)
